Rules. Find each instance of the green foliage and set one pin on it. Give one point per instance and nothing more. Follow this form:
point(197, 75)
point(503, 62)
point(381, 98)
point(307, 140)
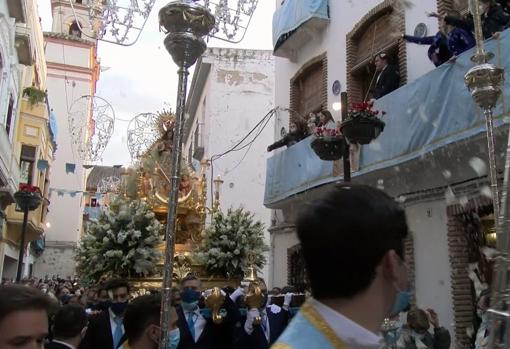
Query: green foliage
point(232, 243)
point(34, 95)
point(121, 243)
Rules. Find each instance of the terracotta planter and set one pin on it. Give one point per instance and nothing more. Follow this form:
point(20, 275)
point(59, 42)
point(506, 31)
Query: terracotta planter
point(362, 130)
point(329, 148)
point(27, 200)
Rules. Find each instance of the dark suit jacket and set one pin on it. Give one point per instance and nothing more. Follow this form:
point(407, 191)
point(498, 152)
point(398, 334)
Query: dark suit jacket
point(257, 340)
point(99, 333)
point(213, 336)
point(387, 82)
point(53, 345)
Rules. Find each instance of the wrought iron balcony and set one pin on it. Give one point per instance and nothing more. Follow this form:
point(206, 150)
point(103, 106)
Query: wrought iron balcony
point(297, 22)
point(434, 133)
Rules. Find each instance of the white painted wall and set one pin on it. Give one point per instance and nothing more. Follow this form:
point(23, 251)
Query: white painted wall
point(239, 91)
point(280, 243)
point(65, 212)
point(76, 56)
point(428, 224)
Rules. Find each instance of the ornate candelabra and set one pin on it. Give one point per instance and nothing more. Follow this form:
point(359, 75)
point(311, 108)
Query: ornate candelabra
point(485, 81)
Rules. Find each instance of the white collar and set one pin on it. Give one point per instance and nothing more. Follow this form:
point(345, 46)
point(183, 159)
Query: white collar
point(351, 333)
point(63, 343)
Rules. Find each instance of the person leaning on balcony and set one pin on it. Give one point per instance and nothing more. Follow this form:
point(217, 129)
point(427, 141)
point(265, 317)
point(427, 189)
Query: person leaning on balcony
point(297, 132)
point(438, 52)
point(494, 19)
point(388, 76)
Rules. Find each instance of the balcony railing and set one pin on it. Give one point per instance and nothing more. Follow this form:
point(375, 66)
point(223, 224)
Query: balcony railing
point(295, 23)
point(426, 115)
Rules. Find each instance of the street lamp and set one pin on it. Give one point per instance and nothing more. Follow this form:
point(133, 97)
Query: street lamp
point(217, 186)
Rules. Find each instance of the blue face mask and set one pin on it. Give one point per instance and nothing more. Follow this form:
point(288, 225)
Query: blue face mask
point(175, 337)
point(402, 303)
point(189, 295)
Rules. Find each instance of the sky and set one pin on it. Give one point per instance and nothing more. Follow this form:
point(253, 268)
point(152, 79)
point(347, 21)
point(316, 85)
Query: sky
point(143, 78)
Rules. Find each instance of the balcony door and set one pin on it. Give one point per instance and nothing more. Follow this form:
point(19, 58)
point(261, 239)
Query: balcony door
point(370, 36)
point(461, 6)
point(308, 88)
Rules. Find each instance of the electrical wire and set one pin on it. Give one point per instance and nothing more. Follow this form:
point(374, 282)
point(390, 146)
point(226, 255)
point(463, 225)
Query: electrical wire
point(235, 148)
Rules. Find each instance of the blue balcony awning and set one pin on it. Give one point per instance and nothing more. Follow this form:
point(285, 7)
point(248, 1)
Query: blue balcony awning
point(425, 115)
point(294, 13)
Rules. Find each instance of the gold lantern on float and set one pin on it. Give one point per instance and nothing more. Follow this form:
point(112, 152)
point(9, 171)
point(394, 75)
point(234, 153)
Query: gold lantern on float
point(214, 300)
point(254, 298)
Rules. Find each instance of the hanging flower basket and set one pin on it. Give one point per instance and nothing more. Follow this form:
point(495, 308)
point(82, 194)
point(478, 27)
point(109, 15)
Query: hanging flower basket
point(28, 197)
point(362, 124)
point(328, 144)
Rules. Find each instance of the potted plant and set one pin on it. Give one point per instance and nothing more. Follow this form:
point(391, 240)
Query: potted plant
point(328, 144)
point(362, 124)
point(28, 197)
point(34, 95)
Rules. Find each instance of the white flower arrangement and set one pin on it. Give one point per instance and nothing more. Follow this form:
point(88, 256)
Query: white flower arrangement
point(229, 242)
point(122, 243)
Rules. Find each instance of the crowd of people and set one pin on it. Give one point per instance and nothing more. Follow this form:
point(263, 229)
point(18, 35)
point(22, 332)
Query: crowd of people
point(357, 229)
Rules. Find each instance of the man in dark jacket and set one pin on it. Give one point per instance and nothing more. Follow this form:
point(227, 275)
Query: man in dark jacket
point(274, 320)
point(388, 76)
point(106, 329)
point(196, 327)
point(70, 325)
point(494, 19)
point(416, 334)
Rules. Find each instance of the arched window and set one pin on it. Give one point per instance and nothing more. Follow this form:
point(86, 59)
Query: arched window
point(74, 29)
point(370, 36)
point(460, 6)
point(308, 88)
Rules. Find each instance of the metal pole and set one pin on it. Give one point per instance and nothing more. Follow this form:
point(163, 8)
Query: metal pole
point(186, 23)
point(22, 244)
point(347, 147)
point(166, 299)
point(492, 163)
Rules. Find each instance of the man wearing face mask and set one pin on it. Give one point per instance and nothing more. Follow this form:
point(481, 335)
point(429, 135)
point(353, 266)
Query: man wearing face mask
point(197, 329)
point(142, 324)
point(103, 300)
point(69, 327)
point(416, 334)
point(352, 239)
point(106, 329)
point(274, 320)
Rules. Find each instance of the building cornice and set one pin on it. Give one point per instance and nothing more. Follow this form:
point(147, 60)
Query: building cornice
point(68, 40)
point(70, 68)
